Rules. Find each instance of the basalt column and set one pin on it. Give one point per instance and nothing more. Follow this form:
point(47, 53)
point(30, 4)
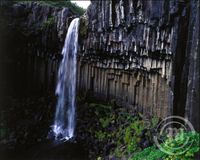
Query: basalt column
point(126, 54)
point(140, 54)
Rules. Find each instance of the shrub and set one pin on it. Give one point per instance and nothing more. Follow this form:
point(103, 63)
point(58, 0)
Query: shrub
point(75, 8)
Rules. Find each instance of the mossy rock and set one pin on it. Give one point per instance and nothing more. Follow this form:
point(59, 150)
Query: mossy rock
point(49, 22)
point(83, 27)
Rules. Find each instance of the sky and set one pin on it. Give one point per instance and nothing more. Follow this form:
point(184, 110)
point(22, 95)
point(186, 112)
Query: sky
point(82, 3)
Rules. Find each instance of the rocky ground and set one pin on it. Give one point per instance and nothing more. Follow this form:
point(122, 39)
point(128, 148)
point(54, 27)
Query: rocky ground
point(25, 124)
point(111, 131)
point(48, 150)
point(25, 121)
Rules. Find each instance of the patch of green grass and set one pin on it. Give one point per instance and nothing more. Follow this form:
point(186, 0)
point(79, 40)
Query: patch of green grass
point(117, 131)
point(172, 146)
point(100, 135)
point(75, 8)
point(100, 106)
point(126, 129)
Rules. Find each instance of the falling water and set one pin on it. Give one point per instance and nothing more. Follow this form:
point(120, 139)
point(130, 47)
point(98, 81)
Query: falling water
point(64, 123)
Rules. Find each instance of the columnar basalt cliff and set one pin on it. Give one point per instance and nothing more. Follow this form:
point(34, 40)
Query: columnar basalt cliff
point(138, 52)
point(127, 53)
point(190, 75)
point(138, 62)
point(31, 37)
point(36, 32)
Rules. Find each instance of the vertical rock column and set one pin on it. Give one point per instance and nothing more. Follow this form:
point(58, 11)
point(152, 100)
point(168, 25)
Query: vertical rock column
point(138, 53)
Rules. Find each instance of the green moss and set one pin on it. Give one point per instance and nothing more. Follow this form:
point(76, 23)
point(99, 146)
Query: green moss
point(49, 22)
point(100, 106)
point(153, 153)
point(105, 122)
point(101, 136)
point(83, 29)
point(74, 8)
point(115, 125)
point(99, 158)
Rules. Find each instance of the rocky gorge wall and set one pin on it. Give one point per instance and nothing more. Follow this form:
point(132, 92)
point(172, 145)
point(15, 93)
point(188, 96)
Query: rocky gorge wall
point(138, 39)
point(32, 37)
point(138, 52)
point(142, 54)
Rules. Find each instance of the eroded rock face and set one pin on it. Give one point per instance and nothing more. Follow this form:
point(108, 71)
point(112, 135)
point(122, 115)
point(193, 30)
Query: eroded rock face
point(33, 35)
point(36, 18)
point(127, 54)
point(137, 52)
point(191, 68)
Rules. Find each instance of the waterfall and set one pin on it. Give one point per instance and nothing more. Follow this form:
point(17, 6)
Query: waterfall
point(64, 123)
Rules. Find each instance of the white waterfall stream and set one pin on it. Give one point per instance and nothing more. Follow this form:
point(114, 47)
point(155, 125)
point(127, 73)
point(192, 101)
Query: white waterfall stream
point(64, 123)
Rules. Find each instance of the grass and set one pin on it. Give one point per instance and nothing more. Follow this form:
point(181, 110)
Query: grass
point(173, 146)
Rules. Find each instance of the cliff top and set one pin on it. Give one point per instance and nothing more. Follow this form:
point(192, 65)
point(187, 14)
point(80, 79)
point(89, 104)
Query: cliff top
point(67, 4)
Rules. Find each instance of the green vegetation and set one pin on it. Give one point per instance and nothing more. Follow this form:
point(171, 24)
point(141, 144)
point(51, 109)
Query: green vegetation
point(74, 8)
point(83, 26)
point(114, 125)
point(124, 134)
point(134, 134)
point(173, 146)
point(50, 21)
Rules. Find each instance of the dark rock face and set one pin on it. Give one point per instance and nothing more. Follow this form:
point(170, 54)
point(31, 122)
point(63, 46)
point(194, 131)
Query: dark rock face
point(191, 67)
point(144, 54)
point(32, 35)
point(137, 37)
point(47, 23)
